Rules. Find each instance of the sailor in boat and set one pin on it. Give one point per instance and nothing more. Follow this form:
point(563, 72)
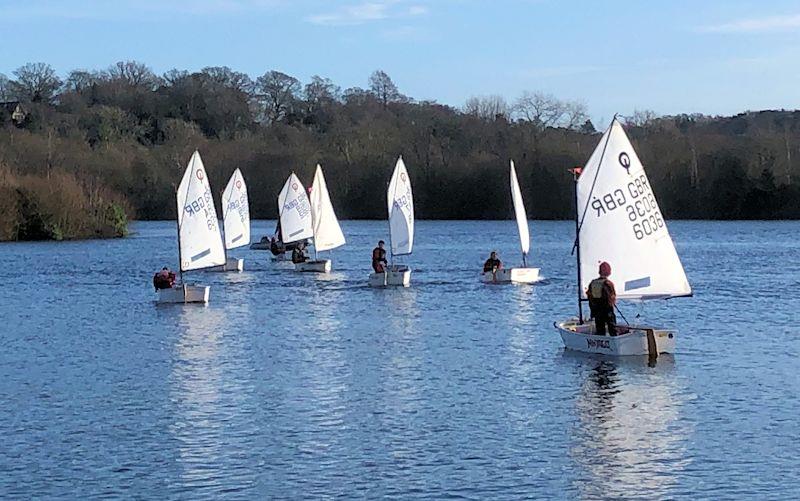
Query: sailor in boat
point(164, 279)
point(276, 247)
point(602, 299)
point(379, 261)
point(299, 253)
point(493, 264)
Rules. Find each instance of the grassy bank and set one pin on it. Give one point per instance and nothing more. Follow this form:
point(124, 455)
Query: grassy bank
point(57, 206)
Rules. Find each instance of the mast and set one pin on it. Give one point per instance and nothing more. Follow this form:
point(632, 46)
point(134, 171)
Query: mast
point(575, 175)
point(178, 224)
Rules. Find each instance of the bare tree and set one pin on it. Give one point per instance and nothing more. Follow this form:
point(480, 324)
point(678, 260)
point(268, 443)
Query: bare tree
point(576, 114)
point(80, 80)
point(5, 88)
point(321, 90)
point(542, 110)
point(174, 76)
point(225, 76)
point(382, 86)
point(277, 91)
point(133, 73)
point(641, 118)
point(35, 82)
point(487, 107)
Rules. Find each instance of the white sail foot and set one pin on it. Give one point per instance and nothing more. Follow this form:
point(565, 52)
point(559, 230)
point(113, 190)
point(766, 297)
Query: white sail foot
point(316, 266)
point(632, 339)
point(184, 294)
point(511, 275)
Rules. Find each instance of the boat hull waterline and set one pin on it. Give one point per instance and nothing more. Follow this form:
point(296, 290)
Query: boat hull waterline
point(184, 294)
point(232, 264)
point(511, 275)
point(316, 266)
point(394, 277)
point(581, 337)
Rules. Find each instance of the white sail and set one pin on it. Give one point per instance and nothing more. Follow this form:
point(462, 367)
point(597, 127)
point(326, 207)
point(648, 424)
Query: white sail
point(295, 211)
point(519, 210)
point(401, 210)
point(327, 232)
point(621, 223)
point(200, 240)
point(236, 212)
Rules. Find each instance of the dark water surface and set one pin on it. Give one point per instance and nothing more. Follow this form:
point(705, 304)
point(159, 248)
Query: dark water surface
point(304, 386)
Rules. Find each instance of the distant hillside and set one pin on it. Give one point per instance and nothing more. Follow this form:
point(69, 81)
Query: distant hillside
point(130, 133)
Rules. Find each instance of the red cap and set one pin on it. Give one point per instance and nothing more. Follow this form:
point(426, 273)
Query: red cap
point(605, 269)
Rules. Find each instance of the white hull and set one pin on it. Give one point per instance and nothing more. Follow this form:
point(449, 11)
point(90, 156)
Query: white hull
point(184, 294)
point(509, 275)
point(232, 264)
point(395, 276)
point(581, 337)
point(318, 266)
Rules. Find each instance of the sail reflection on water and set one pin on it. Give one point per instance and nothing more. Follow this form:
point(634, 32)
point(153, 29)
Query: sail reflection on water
point(628, 441)
point(211, 404)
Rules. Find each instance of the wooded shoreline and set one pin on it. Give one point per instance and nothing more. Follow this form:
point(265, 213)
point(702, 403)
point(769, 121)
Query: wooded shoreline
point(81, 155)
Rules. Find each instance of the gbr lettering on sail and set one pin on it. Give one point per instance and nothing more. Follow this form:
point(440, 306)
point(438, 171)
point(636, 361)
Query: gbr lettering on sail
point(635, 198)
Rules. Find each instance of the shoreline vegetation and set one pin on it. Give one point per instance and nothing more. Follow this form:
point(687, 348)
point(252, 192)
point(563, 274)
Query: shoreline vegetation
point(82, 153)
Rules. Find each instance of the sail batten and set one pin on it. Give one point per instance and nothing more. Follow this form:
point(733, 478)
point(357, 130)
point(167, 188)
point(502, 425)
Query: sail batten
point(236, 212)
point(400, 204)
point(621, 223)
point(520, 213)
point(327, 232)
point(198, 228)
point(295, 211)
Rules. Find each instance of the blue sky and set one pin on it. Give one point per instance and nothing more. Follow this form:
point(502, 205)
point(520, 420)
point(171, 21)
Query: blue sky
point(714, 56)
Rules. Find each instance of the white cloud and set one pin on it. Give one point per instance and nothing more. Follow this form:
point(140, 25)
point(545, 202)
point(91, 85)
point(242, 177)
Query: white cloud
point(367, 12)
point(756, 25)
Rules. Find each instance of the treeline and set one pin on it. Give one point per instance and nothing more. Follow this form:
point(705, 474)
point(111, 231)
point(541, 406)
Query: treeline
point(131, 132)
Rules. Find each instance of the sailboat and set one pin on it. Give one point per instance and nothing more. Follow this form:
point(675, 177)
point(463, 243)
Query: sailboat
point(199, 239)
point(522, 275)
point(619, 221)
point(400, 202)
point(294, 212)
point(235, 220)
point(327, 232)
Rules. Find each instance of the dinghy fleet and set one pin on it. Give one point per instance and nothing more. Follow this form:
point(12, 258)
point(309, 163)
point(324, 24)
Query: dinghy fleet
point(617, 220)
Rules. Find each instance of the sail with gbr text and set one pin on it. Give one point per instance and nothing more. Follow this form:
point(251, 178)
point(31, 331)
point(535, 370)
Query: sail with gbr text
point(620, 222)
point(198, 229)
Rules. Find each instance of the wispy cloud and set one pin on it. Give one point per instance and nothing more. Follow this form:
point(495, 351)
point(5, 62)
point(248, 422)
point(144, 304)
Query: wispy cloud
point(560, 71)
point(101, 9)
point(367, 12)
point(755, 25)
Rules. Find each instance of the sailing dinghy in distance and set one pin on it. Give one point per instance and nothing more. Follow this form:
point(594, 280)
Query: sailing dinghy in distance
point(294, 211)
point(400, 202)
point(522, 275)
point(199, 239)
point(235, 220)
point(619, 221)
point(327, 232)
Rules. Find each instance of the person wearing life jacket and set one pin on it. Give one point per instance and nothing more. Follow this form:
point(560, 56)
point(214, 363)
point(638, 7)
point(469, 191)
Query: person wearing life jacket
point(379, 262)
point(602, 298)
point(493, 264)
point(164, 279)
point(299, 253)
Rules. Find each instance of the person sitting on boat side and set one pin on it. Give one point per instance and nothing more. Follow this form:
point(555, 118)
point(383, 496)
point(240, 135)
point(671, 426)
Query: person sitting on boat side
point(602, 298)
point(164, 279)
point(379, 261)
point(493, 264)
point(275, 248)
point(299, 253)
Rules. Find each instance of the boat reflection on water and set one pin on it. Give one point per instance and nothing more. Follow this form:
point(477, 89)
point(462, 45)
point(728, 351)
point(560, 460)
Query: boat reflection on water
point(208, 402)
point(627, 441)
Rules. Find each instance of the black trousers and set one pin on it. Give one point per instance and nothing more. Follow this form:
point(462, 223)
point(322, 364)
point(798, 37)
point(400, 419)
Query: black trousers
point(605, 318)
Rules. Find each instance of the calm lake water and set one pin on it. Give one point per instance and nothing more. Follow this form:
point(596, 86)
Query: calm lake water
point(304, 386)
